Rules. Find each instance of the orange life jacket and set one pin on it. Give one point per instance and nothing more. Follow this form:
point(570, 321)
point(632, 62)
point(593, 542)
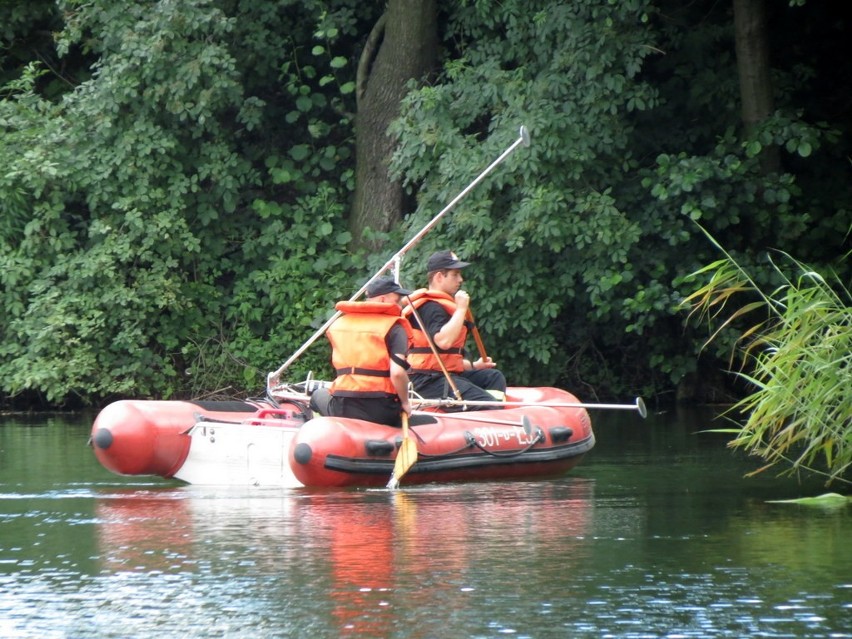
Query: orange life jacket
point(420, 355)
point(359, 352)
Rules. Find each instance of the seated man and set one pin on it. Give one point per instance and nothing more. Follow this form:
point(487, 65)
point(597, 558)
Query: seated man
point(443, 309)
point(369, 349)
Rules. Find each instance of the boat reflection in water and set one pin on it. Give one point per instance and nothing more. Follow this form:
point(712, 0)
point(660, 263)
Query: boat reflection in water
point(356, 558)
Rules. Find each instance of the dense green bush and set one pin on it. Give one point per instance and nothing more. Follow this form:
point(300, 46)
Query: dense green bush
point(155, 234)
point(176, 183)
point(582, 244)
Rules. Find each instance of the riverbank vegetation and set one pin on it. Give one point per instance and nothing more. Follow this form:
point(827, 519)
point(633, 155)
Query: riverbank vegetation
point(187, 187)
point(795, 353)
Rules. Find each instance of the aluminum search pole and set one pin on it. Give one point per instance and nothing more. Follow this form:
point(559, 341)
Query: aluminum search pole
point(523, 140)
point(639, 406)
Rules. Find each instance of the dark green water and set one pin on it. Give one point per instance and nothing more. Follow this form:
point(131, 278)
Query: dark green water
point(655, 534)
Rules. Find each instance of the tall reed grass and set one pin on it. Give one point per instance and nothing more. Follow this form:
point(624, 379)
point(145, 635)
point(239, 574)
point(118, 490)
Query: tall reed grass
point(795, 345)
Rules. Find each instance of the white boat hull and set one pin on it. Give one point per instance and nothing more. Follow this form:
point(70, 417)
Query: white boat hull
point(239, 455)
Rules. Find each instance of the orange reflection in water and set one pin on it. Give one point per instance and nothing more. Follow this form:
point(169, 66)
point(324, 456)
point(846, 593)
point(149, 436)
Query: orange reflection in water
point(144, 531)
point(424, 546)
point(375, 555)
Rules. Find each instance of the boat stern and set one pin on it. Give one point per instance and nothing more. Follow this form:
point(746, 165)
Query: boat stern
point(129, 438)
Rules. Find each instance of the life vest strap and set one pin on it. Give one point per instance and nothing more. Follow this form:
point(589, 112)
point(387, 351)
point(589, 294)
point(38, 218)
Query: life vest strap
point(426, 350)
point(355, 370)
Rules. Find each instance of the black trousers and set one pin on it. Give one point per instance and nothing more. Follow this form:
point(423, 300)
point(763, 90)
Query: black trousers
point(473, 386)
point(379, 410)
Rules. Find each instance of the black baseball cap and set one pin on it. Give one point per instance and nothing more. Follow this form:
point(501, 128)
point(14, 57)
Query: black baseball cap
point(444, 260)
point(384, 286)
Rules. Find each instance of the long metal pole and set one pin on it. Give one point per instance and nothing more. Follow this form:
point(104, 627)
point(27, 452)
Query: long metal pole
point(639, 406)
point(523, 139)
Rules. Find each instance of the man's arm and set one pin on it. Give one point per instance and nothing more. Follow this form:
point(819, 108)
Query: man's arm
point(399, 378)
point(442, 327)
point(397, 342)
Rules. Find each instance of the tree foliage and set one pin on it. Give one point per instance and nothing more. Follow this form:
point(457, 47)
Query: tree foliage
point(143, 250)
point(177, 180)
point(549, 226)
point(583, 244)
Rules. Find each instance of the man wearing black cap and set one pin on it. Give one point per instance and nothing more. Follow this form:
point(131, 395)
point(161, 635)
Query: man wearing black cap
point(443, 309)
point(369, 348)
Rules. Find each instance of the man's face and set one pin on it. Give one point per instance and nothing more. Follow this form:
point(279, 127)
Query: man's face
point(393, 298)
point(451, 282)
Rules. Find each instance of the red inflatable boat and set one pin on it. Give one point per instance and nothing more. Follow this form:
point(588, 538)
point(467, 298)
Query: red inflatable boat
point(540, 432)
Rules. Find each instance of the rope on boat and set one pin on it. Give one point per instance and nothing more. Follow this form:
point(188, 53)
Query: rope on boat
point(460, 449)
point(472, 443)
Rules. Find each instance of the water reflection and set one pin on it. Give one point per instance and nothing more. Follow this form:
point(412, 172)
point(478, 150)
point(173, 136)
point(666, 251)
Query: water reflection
point(370, 554)
point(656, 534)
point(145, 531)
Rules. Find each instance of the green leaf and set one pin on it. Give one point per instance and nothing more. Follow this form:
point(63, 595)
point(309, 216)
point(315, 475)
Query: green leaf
point(299, 152)
point(304, 103)
point(826, 500)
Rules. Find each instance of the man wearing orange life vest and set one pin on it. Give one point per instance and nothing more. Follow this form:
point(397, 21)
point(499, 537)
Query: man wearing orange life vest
point(443, 309)
point(369, 348)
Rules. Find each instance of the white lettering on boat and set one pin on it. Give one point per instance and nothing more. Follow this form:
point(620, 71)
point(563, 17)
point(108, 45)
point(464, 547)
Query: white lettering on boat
point(490, 436)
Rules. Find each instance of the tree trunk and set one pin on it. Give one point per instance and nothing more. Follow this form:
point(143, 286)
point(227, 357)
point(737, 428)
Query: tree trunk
point(752, 46)
point(407, 51)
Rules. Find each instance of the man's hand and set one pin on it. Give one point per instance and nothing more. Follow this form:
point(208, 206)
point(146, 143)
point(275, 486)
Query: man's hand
point(462, 300)
point(483, 363)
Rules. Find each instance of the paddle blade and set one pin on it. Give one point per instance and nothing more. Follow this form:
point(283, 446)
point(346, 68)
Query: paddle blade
point(405, 458)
